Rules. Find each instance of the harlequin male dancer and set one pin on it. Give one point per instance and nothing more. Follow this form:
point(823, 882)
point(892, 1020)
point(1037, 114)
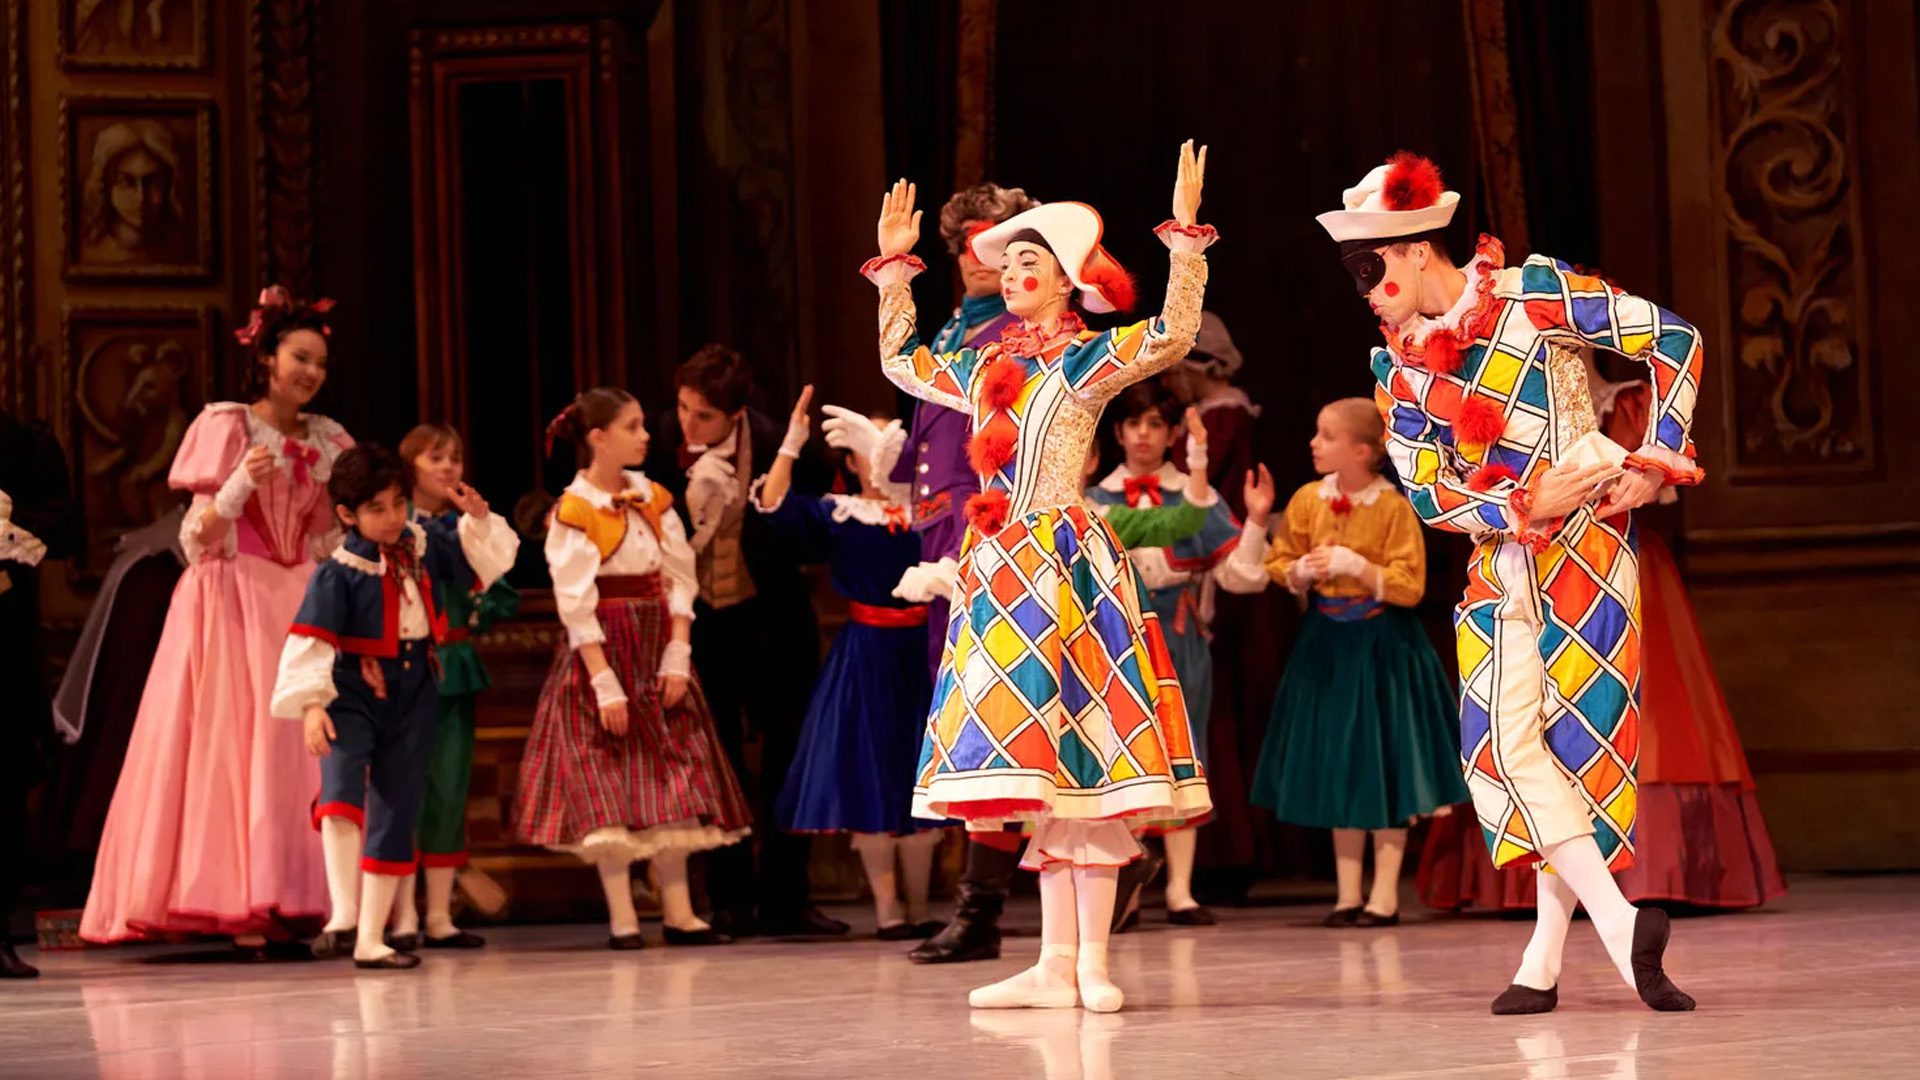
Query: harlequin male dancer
point(932, 461)
point(1492, 431)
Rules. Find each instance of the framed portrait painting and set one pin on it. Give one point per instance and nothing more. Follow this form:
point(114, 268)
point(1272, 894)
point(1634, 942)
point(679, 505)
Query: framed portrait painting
point(133, 35)
point(137, 186)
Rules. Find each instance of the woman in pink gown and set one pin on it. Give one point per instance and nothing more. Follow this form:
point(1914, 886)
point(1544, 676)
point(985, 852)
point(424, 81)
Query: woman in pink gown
point(209, 831)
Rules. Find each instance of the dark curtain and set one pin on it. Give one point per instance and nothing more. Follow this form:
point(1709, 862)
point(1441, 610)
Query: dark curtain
point(919, 64)
point(1551, 69)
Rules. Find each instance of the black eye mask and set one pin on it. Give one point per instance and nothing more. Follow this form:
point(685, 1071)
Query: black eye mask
point(1367, 268)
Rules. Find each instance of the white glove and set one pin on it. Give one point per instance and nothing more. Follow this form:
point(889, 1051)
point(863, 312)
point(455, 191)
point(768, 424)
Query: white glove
point(19, 545)
point(1346, 562)
point(711, 486)
point(1299, 576)
point(849, 430)
point(231, 500)
point(1196, 456)
point(677, 659)
point(606, 690)
point(799, 430)
point(928, 581)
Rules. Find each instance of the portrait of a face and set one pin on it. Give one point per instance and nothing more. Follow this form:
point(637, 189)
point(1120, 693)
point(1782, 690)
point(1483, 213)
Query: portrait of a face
point(133, 34)
point(137, 191)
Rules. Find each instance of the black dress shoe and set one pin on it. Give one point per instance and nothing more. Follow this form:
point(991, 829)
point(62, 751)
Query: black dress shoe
point(1650, 932)
point(1193, 916)
point(808, 921)
point(900, 931)
point(404, 942)
point(1371, 919)
point(395, 961)
point(626, 942)
point(1133, 880)
point(459, 939)
point(1345, 916)
point(972, 935)
point(708, 936)
point(1517, 1000)
point(12, 967)
point(334, 944)
point(735, 924)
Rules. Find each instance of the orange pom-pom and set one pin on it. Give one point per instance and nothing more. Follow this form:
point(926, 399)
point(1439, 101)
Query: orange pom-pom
point(1103, 273)
point(1489, 475)
point(987, 511)
point(1000, 386)
point(1441, 352)
point(991, 448)
point(1480, 423)
point(1413, 182)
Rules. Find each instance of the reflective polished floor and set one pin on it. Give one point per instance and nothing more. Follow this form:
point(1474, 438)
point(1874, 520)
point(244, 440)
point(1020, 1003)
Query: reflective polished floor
point(1825, 983)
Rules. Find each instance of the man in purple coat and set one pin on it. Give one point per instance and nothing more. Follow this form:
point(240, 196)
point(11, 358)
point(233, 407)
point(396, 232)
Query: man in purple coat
point(930, 462)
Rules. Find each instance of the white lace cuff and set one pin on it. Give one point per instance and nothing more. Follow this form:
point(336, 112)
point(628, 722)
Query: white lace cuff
point(607, 691)
point(677, 659)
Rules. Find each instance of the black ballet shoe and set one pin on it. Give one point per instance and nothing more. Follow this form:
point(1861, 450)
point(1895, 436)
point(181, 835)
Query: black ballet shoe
point(11, 966)
point(459, 939)
point(707, 936)
point(1651, 929)
point(1517, 1000)
point(1193, 916)
point(407, 943)
point(626, 942)
point(1342, 916)
point(802, 922)
point(1374, 920)
point(394, 961)
point(900, 931)
point(333, 944)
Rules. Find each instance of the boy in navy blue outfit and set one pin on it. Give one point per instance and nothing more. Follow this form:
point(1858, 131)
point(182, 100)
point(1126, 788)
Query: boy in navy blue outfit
point(357, 671)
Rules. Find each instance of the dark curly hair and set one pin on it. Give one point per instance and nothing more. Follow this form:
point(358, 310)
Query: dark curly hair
point(361, 473)
point(274, 316)
point(1145, 397)
point(720, 375)
point(990, 203)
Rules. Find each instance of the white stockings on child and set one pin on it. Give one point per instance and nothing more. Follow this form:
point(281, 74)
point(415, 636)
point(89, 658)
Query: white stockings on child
point(440, 901)
point(916, 871)
point(1181, 846)
point(340, 848)
point(1584, 871)
point(1540, 964)
point(876, 856)
point(1389, 848)
point(1076, 912)
point(376, 903)
point(616, 880)
point(669, 869)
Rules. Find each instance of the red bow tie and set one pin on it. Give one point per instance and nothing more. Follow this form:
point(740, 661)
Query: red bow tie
point(688, 457)
point(1147, 486)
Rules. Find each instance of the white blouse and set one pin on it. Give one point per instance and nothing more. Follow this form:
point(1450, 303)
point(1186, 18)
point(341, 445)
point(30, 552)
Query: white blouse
point(574, 562)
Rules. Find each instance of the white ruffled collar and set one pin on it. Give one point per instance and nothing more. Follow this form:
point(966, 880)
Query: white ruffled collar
point(323, 437)
point(1366, 496)
point(867, 511)
point(1171, 479)
point(601, 499)
point(1480, 267)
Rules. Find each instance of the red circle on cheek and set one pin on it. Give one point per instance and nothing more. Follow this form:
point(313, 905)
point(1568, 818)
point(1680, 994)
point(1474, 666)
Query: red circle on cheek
point(1030, 283)
point(1392, 289)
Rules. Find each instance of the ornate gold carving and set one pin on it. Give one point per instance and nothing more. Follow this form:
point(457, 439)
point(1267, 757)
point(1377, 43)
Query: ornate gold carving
point(973, 92)
point(282, 76)
point(1496, 121)
point(1800, 394)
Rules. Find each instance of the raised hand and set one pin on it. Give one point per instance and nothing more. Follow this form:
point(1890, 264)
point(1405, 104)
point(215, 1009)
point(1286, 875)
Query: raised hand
point(899, 227)
point(846, 429)
point(467, 500)
point(1186, 186)
point(799, 424)
point(1258, 494)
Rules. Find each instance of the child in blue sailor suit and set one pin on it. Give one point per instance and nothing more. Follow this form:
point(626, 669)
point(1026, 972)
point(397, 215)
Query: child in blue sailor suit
point(357, 671)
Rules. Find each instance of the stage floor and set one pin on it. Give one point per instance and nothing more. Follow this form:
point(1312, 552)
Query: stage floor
point(1825, 983)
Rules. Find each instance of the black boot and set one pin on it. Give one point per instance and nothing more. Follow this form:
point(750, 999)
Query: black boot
point(11, 966)
point(974, 933)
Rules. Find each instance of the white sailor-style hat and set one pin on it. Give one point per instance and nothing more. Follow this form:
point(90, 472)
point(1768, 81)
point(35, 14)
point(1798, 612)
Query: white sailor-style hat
point(1071, 230)
point(1402, 198)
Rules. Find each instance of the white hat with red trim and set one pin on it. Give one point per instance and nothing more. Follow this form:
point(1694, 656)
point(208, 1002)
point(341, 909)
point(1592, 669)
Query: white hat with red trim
point(1404, 197)
point(1071, 230)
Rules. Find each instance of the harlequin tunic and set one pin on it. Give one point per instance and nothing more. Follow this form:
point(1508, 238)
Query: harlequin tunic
point(1548, 631)
point(1056, 696)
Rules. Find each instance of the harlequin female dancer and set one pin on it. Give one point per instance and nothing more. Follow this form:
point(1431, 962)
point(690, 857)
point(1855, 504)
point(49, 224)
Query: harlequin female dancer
point(1056, 701)
point(209, 830)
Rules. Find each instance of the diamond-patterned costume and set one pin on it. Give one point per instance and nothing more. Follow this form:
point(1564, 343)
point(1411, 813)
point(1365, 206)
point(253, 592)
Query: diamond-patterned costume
point(1056, 696)
point(1548, 632)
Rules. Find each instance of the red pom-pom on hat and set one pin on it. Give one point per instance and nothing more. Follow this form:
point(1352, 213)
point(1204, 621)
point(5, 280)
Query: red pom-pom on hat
point(1413, 182)
point(1480, 423)
point(1101, 271)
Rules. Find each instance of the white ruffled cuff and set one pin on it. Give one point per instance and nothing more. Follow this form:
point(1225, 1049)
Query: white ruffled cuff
point(305, 678)
point(1190, 238)
point(677, 659)
point(607, 690)
point(231, 500)
point(885, 270)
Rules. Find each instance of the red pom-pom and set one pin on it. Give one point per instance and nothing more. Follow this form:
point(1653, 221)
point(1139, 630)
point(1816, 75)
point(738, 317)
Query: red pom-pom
point(987, 511)
point(1000, 386)
point(990, 448)
point(1413, 182)
point(1489, 475)
point(1103, 273)
point(1441, 352)
point(1480, 423)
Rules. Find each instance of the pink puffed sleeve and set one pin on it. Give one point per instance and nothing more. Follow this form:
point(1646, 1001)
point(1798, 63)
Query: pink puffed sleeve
point(211, 449)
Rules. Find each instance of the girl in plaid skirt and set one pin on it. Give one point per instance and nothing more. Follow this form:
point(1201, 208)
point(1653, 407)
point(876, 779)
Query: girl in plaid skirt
point(623, 763)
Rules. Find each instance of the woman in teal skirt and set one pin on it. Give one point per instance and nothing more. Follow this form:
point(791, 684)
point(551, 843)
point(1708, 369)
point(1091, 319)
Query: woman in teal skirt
point(1364, 735)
